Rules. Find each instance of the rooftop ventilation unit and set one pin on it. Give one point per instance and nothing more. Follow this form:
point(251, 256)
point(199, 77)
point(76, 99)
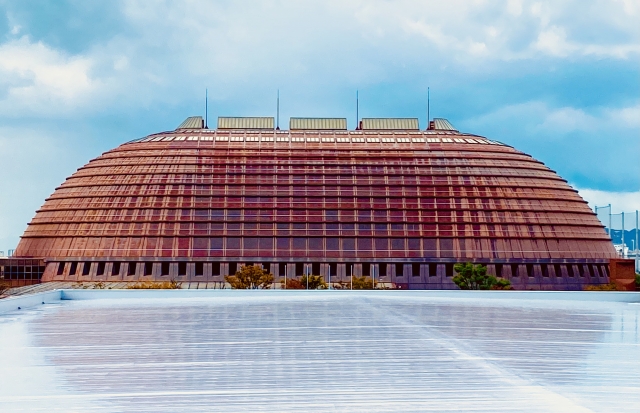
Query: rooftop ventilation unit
point(246, 123)
point(441, 124)
point(193, 122)
point(318, 123)
point(389, 124)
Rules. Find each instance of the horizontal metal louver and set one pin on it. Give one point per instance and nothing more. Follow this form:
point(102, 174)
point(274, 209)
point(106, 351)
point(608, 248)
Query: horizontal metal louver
point(390, 124)
point(246, 123)
point(192, 122)
point(318, 123)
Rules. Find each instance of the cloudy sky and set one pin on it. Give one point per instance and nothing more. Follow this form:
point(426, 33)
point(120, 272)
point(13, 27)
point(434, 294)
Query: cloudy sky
point(559, 80)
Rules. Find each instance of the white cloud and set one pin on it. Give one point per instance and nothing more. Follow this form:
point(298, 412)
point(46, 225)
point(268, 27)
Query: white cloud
point(620, 201)
point(557, 121)
point(39, 79)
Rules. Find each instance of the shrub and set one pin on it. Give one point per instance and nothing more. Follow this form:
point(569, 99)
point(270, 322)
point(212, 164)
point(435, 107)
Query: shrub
point(501, 284)
point(4, 287)
point(292, 284)
point(155, 285)
point(601, 287)
point(316, 282)
point(362, 283)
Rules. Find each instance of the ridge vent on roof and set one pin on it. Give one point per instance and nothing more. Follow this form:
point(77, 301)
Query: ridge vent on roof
point(441, 124)
point(318, 123)
point(192, 122)
point(389, 124)
point(256, 123)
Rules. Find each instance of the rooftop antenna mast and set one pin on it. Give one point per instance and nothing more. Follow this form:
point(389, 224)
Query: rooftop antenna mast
point(428, 102)
point(278, 111)
point(357, 111)
point(206, 108)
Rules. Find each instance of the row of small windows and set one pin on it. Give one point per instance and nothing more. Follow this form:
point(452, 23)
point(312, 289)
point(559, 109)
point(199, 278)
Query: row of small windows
point(319, 202)
point(21, 272)
point(346, 192)
point(316, 215)
point(324, 138)
point(177, 179)
point(328, 165)
point(285, 206)
point(378, 270)
point(155, 228)
point(444, 196)
point(287, 173)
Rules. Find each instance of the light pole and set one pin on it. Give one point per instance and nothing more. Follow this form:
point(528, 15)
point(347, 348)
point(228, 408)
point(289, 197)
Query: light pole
point(329, 275)
point(637, 245)
point(623, 235)
point(285, 276)
point(306, 270)
point(352, 277)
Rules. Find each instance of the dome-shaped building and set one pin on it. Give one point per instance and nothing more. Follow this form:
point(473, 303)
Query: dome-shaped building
point(387, 200)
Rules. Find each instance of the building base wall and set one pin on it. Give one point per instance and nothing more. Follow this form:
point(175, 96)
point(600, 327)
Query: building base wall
point(421, 275)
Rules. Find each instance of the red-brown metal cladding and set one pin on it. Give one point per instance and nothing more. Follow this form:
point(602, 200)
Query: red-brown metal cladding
point(322, 196)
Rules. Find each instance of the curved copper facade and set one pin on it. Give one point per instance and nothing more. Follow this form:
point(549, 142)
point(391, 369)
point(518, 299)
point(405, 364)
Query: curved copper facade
point(397, 202)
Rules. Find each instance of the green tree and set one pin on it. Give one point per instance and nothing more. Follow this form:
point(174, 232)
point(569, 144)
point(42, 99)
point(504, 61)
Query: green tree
point(250, 277)
point(475, 277)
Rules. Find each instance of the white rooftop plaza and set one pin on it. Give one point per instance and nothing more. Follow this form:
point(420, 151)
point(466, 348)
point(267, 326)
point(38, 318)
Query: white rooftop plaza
point(321, 351)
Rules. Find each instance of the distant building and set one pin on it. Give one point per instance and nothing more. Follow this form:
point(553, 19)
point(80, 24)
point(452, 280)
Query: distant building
point(387, 200)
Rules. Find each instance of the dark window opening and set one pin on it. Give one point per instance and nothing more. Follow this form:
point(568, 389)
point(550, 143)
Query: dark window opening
point(366, 269)
point(399, 270)
point(115, 268)
point(282, 269)
point(585, 271)
point(199, 269)
point(100, 270)
point(333, 269)
point(164, 268)
point(315, 268)
point(448, 270)
point(558, 270)
point(215, 268)
point(74, 268)
point(348, 269)
point(514, 270)
point(545, 270)
point(415, 270)
point(530, 270)
point(499, 271)
point(572, 271)
point(233, 268)
point(148, 268)
point(132, 268)
point(299, 269)
point(60, 268)
point(433, 270)
point(182, 268)
point(86, 268)
point(382, 269)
